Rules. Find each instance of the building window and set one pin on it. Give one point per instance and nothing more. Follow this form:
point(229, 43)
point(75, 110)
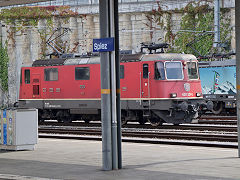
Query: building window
point(82, 73)
point(51, 74)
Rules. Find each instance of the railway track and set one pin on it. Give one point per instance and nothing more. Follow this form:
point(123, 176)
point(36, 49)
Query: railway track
point(218, 117)
point(148, 134)
point(224, 120)
point(200, 127)
point(167, 136)
point(217, 131)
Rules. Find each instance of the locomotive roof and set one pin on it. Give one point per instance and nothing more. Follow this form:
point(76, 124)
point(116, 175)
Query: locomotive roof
point(169, 57)
point(48, 62)
point(123, 58)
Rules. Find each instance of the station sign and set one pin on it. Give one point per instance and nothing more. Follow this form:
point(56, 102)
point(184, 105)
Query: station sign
point(103, 45)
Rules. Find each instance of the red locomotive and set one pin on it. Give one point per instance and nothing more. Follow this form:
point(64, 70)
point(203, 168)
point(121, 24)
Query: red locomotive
point(154, 87)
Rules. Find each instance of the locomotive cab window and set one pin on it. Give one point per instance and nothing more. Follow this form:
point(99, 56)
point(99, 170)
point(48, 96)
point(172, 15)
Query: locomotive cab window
point(121, 71)
point(192, 70)
point(159, 71)
point(82, 73)
point(27, 76)
point(51, 74)
point(145, 71)
point(174, 70)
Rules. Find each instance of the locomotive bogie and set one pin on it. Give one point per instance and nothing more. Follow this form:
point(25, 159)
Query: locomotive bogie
point(135, 110)
point(155, 87)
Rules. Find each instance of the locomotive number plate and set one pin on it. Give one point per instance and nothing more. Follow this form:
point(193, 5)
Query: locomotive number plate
point(187, 94)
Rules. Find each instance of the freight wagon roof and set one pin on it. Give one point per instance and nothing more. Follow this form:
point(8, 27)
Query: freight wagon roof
point(123, 58)
point(222, 63)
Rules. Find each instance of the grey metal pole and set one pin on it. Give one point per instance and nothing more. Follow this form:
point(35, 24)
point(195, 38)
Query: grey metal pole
point(237, 31)
point(117, 60)
point(1, 90)
point(105, 89)
point(113, 90)
point(216, 23)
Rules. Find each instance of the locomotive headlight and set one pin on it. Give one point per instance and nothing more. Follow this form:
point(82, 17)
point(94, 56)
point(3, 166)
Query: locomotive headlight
point(173, 95)
point(198, 94)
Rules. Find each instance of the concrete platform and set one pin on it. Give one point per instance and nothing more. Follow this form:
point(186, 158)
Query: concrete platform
point(82, 160)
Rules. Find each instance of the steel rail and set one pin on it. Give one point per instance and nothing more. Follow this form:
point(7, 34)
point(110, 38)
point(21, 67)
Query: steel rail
point(143, 134)
point(148, 126)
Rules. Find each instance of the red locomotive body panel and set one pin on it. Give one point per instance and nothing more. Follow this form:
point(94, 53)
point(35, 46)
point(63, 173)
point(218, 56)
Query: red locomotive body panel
point(164, 88)
point(66, 87)
point(153, 86)
point(130, 84)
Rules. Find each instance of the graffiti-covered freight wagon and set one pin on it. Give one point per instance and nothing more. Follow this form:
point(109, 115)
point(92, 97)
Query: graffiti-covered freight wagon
point(218, 79)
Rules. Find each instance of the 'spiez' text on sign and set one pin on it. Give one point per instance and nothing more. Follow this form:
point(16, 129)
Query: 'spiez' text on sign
point(100, 46)
point(103, 45)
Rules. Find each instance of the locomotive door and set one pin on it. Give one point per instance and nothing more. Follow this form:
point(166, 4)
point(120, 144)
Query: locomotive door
point(145, 86)
point(36, 85)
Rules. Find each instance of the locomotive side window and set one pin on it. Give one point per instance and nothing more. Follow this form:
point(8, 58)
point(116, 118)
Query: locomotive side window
point(51, 74)
point(27, 76)
point(21, 77)
point(174, 70)
point(145, 71)
point(159, 71)
point(82, 73)
point(192, 70)
point(121, 71)
point(35, 89)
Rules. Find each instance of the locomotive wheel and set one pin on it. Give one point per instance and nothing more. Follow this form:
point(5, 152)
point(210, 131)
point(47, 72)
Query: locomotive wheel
point(155, 121)
point(87, 121)
point(68, 120)
point(60, 120)
point(142, 121)
point(124, 121)
point(41, 120)
point(217, 108)
point(64, 120)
